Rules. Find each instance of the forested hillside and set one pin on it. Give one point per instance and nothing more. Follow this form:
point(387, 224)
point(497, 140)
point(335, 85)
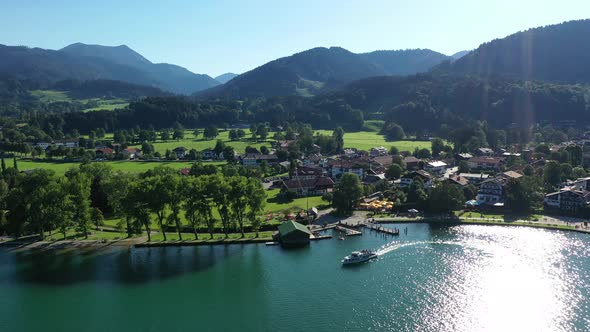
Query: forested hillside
point(322, 69)
point(92, 62)
point(559, 53)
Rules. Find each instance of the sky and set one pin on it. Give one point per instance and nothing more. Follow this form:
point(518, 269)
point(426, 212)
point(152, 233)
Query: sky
point(218, 36)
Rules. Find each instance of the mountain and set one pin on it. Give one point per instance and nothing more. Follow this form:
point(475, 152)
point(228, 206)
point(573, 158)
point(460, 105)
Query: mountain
point(92, 62)
point(322, 69)
point(168, 77)
point(459, 55)
point(559, 53)
point(224, 78)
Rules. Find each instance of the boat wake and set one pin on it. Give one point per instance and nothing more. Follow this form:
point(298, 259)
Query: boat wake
point(389, 247)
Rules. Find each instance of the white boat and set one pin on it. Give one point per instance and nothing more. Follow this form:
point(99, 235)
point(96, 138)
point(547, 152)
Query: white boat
point(358, 257)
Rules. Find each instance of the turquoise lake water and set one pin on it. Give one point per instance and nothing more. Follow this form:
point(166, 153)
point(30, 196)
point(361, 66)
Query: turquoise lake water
point(435, 278)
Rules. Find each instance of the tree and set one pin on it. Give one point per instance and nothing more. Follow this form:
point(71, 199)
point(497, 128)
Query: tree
point(196, 133)
point(264, 150)
point(238, 198)
point(417, 193)
point(3, 165)
point(470, 192)
point(262, 132)
point(552, 173)
point(178, 134)
point(165, 135)
point(121, 199)
point(393, 131)
point(394, 172)
point(219, 146)
point(437, 146)
point(256, 200)
point(175, 184)
point(523, 194)
point(220, 193)
point(210, 132)
point(197, 204)
point(347, 194)
point(463, 167)
point(97, 217)
point(338, 136)
point(394, 151)
point(446, 197)
point(233, 135)
point(327, 197)
point(422, 153)
point(79, 189)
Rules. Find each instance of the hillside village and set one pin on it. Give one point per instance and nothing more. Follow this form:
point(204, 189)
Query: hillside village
point(482, 175)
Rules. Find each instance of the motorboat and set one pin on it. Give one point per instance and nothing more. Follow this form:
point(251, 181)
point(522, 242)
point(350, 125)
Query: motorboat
point(358, 257)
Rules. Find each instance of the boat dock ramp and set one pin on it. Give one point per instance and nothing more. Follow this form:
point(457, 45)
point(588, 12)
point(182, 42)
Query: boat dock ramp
point(348, 231)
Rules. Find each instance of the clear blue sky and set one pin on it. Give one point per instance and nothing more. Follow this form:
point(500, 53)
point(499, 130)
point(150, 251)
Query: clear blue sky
point(214, 37)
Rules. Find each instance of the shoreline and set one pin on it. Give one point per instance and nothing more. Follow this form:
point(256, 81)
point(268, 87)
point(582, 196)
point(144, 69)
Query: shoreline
point(481, 223)
point(138, 243)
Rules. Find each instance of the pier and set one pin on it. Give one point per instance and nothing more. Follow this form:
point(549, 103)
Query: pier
point(348, 231)
point(379, 228)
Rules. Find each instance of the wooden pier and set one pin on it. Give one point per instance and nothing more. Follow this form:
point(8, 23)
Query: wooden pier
point(379, 228)
point(348, 231)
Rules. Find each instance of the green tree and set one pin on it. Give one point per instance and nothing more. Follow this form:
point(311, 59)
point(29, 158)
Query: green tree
point(79, 189)
point(523, 194)
point(165, 134)
point(347, 193)
point(256, 200)
point(220, 191)
point(552, 173)
point(97, 217)
point(338, 136)
point(445, 197)
point(210, 132)
point(174, 185)
point(262, 132)
point(178, 134)
point(393, 131)
point(394, 172)
point(437, 146)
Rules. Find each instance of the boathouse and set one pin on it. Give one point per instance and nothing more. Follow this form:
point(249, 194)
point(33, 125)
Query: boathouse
point(293, 234)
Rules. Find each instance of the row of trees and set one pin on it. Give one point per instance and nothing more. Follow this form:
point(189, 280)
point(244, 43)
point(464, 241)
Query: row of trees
point(40, 201)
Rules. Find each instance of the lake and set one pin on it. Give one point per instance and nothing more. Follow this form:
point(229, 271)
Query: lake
point(434, 278)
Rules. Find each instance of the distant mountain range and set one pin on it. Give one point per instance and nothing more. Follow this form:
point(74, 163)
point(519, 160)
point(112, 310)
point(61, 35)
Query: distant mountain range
point(323, 69)
point(224, 78)
point(558, 53)
point(90, 62)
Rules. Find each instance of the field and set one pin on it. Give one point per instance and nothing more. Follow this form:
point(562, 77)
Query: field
point(200, 144)
point(365, 140)
point(50, 96)
point(128, 166)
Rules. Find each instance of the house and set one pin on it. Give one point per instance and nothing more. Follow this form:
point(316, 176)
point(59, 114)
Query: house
point(255, 159)
point(314, 159)
point(303, 187)
point(383, 161)
point(180, 152)
point(436, 167)
point(208, 154)
point(306, 173)
point(491, 192)
point(378, 151)
point(104, 152)
point(569, 200)
point(339, 167)
point(475, 178)
point(412, 163)
point(67, 143)
point(463, 156)
point(43, 145)
point(292, 234)
point(580, 184)
point(408, 179)
point(511, 175)
point(484, 152)
point(485, 163)
point(372, 176)
point(457, 179)
point(185, 171)
point(131, 153)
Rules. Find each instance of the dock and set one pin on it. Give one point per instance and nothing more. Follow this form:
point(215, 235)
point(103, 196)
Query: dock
point(348, 231)
point(319, 237)
point(379, 228)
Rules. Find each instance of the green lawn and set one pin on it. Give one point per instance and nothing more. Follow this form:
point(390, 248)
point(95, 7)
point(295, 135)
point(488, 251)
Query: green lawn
point(128, 166)
point(275, 204)
point(108, 105)
point(50, 96)
point(71, 234)
point(200, 144)
point(365, 140)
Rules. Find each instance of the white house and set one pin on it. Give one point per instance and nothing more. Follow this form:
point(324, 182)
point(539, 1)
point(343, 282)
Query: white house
point(436, 167)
